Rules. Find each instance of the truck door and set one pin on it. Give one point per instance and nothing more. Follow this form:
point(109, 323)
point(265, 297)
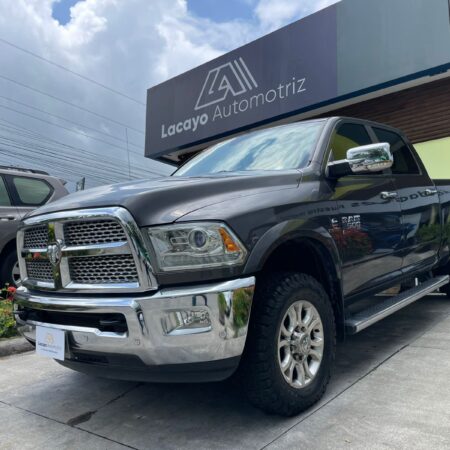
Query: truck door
point(369, 218)
point(419, 201)
point(9, 216)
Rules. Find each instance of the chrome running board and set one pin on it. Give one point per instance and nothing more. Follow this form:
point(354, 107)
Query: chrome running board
point(367, 317)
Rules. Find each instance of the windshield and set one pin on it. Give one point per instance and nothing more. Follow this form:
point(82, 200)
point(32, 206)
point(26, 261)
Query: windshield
point(279, 148)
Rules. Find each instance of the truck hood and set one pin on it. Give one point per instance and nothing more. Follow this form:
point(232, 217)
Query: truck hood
point(165, 200)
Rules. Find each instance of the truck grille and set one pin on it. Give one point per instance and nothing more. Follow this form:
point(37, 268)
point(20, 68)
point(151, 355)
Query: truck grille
point(40, 270)
point(84, 250)
point(36, 237)
point(93, 232)
point(103, 269)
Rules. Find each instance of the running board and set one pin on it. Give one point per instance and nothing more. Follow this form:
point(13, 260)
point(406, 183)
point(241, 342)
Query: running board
point(365, 318)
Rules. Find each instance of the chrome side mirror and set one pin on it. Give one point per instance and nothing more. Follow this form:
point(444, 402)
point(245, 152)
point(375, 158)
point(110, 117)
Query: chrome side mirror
point(370, 158)
point(365, 159)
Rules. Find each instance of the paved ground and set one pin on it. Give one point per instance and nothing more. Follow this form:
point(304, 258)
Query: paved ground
point(391, 389)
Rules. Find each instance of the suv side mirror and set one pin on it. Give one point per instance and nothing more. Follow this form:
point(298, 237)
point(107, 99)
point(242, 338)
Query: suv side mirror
point(364, 159)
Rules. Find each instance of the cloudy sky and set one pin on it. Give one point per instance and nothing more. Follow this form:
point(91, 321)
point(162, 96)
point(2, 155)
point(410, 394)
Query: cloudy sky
point(74, 74)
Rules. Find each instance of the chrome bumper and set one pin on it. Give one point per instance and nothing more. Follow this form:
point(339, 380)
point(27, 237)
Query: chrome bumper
point(173, 326)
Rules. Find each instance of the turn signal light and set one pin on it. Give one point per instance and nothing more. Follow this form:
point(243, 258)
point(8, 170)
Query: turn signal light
point(230, 245)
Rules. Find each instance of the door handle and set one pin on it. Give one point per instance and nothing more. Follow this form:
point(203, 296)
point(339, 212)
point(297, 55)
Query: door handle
point(430, 192)
point(389, 195)
point(7, 218)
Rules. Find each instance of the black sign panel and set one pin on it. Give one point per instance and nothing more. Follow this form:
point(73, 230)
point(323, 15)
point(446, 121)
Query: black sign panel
point(276, 75)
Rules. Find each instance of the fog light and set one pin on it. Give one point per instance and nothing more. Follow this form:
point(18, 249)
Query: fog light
point(186, 322)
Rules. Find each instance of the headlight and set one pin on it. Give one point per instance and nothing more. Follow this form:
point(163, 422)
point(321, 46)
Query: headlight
point(196, 246)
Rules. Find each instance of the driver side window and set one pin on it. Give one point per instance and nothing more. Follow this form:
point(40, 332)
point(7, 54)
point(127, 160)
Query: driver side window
point(345, 137)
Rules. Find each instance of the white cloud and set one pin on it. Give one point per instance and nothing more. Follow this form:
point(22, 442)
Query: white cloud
point(273, 14)
point(128, 45)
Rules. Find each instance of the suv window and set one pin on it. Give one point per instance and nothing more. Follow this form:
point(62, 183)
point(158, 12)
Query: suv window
point(4, 197)
point(404, 162)
point(31, 191)
point(347, 136)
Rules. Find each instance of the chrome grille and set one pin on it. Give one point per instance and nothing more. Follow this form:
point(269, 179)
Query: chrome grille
point(93, 232)
point(40, 270)
point(103, 269)
point(36, 237)
point(91, 250)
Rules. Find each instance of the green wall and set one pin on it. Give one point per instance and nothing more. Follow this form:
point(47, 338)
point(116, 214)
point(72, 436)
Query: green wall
point(436, 157)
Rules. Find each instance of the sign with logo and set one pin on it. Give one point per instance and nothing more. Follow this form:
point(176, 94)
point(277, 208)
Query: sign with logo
point(50, 342)
point(288, 70)
point(333, 55)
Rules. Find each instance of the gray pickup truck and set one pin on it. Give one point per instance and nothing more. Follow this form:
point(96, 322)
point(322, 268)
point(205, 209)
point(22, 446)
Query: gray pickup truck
point(251, 257)
point(21, 191)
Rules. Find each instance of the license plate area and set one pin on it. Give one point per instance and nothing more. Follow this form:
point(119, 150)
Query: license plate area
point(50, 342)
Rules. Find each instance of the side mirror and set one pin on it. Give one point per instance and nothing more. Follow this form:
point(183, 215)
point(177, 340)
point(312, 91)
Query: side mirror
point(365, 159)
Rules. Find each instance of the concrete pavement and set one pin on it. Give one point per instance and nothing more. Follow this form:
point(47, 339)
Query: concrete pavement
point(391, 389)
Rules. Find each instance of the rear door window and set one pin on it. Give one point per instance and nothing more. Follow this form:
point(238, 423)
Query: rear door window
point(4, 197)
point(31, 191)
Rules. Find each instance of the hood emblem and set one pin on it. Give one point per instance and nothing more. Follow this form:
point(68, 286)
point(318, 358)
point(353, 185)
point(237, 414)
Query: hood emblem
point(54, 253)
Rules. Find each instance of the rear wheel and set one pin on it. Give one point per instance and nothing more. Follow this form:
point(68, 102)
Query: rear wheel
point(9, 271)
point(291, 344)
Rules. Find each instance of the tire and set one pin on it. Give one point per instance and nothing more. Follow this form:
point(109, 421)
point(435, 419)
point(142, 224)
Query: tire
point(264, 382)
point(8, 263)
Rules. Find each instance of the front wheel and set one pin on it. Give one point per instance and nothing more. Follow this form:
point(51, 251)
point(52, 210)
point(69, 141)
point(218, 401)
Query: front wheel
point(9, 270)
point(291, 344)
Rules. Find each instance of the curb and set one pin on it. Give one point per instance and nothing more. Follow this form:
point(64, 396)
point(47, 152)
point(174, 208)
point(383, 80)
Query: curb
point(14, 346)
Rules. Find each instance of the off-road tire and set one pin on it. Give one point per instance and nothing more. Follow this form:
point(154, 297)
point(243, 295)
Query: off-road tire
point(6, 266)
point(262, 378)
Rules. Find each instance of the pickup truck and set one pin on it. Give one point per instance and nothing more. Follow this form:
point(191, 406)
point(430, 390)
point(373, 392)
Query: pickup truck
point(250, 258)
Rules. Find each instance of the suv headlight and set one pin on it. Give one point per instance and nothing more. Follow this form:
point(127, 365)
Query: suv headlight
point(196, 246)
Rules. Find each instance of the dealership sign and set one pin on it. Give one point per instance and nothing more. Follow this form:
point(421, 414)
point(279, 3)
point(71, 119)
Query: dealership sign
point(289, 69)
point(302, 66)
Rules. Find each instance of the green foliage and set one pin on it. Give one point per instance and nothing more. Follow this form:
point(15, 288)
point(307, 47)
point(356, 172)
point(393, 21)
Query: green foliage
point(7, 322)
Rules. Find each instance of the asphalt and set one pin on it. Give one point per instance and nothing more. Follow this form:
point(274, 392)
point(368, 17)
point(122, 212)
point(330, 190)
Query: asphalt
point(390, 389)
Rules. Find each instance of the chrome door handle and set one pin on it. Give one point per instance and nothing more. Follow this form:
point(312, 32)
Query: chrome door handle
point(430, 192)
point(7, 218)
point(389, 195)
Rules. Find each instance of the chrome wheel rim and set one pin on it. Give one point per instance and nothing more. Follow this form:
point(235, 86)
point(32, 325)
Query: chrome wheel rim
point(15, 274)
point(300, 344)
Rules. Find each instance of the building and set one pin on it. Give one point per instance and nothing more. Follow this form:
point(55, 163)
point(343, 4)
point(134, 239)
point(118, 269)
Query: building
point(384, 60)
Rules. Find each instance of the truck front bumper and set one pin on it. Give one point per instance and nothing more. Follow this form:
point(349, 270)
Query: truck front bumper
point(179, 334)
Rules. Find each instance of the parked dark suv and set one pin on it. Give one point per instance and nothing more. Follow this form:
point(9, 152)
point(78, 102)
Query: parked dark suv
point(21, 191)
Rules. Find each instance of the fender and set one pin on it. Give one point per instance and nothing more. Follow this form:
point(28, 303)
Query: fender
point(286, 231)
point(291, 230)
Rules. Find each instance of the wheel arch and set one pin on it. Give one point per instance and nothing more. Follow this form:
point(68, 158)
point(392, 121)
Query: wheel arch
point(8, 247)
point(279, 249)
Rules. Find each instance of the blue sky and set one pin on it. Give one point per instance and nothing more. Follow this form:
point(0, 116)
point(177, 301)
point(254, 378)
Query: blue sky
point(220, 10)
point(217, 10)
point(61, 10)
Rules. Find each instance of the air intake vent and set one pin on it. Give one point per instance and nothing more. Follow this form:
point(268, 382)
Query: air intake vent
point(93, 232)
point(36, 237)
point(103, 270)
point(40, 270)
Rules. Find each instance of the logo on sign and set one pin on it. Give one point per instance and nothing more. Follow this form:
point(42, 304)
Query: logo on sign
point(233, 78)
point(220, 89)
point(49, 339)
